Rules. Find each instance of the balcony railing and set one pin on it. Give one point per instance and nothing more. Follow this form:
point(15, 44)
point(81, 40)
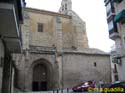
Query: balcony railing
point(113, 33)
point(120, 17)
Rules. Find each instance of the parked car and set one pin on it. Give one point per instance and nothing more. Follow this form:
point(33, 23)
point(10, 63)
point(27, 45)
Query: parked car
point(83, 86)
point(116, 87)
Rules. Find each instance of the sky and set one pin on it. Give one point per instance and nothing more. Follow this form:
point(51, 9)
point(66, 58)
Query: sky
point(93, 12)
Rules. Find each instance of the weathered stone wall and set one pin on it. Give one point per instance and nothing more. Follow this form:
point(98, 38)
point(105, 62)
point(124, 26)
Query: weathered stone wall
point(44, 38)
point(67, 33)
point(78, 68)
point(25, 70)
point(25, 30)
point(81, 39)
point(58, 29)
point(1, 59)
point(66, 70)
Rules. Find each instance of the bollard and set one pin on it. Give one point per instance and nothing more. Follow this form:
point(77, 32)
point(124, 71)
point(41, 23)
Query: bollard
point(67, 90)
point(61, 90)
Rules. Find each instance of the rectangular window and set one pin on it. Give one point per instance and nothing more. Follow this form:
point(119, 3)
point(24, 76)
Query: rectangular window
point(65, 6)
point(115, 68)
point(110, 25)
point(108, 9)
point(58, 19)
point(40, 27)
point(95, 64)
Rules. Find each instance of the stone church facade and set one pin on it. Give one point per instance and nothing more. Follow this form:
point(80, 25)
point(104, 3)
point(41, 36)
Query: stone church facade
point(55, 52)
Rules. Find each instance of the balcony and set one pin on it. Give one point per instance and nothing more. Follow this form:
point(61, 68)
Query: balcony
point(10, 17)
point(110, 10)
point(117, 1)
point(113, 34)
point(117, 52)
point(113, 31)
point(120, 18)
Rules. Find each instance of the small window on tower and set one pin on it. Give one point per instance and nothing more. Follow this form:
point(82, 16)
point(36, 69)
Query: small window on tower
point(40, 27)
point(65, 6)
point(124, 39)
point(95, 64)
point(58, 19)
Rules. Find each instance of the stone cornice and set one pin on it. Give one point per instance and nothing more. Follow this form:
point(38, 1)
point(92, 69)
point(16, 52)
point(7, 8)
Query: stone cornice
point(47, 12)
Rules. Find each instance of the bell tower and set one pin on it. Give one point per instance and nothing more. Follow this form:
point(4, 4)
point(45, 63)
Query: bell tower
point(66, 6)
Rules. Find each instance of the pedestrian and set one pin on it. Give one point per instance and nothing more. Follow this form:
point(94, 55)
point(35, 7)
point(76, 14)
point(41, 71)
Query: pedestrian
point(101, 83)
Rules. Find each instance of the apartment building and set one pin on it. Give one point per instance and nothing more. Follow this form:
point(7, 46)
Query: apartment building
point(115, 10)
point(11, 18)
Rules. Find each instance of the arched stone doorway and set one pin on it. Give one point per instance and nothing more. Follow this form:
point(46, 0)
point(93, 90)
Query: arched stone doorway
point(39, 78)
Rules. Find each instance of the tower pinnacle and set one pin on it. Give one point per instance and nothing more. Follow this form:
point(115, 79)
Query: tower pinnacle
point(66, 5)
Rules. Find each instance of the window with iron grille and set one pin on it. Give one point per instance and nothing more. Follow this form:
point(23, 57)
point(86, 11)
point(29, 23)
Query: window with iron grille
point(40, 27)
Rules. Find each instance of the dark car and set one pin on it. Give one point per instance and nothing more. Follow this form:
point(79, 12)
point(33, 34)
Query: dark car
point(83, 86)
point(117, 87)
